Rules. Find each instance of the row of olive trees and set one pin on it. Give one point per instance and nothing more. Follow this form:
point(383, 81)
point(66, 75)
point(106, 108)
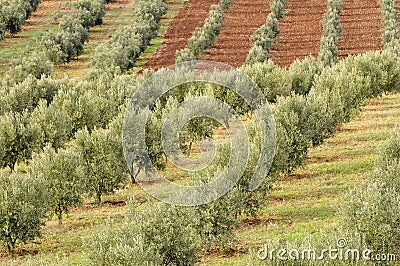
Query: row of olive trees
point(57, 181)
point(128, 42)
point(275, 81)
point(373, 211)
point(14, 13)
point(60, 109)
point(329, 51)
point(369, 215)
point(96, 153)
point(391, 33)
point(66, 43)
point(301, 121)
point(203, 37)
point(264, 38)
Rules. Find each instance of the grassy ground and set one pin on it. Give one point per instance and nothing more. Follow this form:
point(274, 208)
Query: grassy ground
point(301, 203)
point(305, 202)
point(27, 41)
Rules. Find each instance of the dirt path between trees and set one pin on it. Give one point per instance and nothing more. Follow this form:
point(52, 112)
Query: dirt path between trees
point(191, 16)
point(300, 36)
point(241, 20)
point(301, 31)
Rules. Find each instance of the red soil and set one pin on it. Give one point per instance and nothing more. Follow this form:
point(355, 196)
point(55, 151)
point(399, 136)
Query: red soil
point(241, 20)
point(301, 31)
point(191, 16)
point(362, 27)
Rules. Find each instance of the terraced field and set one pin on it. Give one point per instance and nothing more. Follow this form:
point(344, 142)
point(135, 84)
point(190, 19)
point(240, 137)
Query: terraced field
point(300, 35)
point(301, 203)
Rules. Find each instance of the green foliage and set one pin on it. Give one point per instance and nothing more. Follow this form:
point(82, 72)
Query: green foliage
point(373, 211)
point(128, 42)
point(22, 209)
point(329, 51)
point(108, 246)
point(14, 13)
point(63, 46)
point(204, 37)
point(302, 74)
point(278, 8)
point(62, 173)
point(225, 4)
point(272, 80)
point(33, 65)
point(291, 116)
point(67, 43)
point(96, 9)
point(26, 95)
point(264, 37)
point(18, 138)
point(391, 32)
point(160, 236)
point(214, 223)
point(2, 30)
point(102, 160)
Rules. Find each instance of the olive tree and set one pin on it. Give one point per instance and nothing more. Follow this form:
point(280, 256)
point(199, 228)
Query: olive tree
point(391, 32)
point(329, 51)
point(104, 169)
point(18, 138)
point(63, 174)
point(22, 210)
point(33, 65)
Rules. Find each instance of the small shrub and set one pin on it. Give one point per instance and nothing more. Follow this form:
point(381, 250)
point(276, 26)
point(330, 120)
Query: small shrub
point(329, 51)
point(18, 138)
point(36, 65)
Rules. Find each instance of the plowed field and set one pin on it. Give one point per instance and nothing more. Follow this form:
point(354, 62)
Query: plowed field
point(301, 31)
point(362, 27)
point(192, 15)
point(241, 20)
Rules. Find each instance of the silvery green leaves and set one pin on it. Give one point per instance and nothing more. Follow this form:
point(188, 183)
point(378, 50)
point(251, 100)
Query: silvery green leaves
point(329, 51)
point(264, 37)
point(68, 41)
point(142, 149)
point(203, 37)
point(391, 32)
point(128, 42)
point(14, 13)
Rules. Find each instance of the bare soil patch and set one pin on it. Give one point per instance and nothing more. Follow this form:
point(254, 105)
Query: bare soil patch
point(301, 31)
point(241, 20)
point(362, 27)
point(191, 16)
